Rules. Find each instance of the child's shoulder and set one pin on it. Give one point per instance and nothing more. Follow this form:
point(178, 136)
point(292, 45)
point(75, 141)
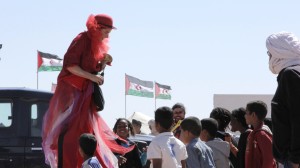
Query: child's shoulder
point(263, 133)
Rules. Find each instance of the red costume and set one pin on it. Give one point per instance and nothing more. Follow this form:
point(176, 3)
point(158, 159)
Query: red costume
point(72, 111)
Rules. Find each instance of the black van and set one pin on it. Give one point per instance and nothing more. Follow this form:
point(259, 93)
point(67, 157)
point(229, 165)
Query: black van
point(21, 116)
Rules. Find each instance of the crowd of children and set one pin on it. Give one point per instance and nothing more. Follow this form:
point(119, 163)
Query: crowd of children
point(205, 143)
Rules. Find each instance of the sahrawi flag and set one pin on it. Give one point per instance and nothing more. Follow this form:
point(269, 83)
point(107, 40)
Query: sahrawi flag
point(137, 87)
point(162, 91)
point(49, 62)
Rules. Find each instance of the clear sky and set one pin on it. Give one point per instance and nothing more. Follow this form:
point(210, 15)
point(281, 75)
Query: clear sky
point(199, 48)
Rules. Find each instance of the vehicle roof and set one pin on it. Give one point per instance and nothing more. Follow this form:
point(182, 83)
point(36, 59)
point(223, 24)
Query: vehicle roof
point(24, 92)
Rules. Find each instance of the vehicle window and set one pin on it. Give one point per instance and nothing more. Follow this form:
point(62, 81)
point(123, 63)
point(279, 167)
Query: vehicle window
point(37, 112)
point(5, 114)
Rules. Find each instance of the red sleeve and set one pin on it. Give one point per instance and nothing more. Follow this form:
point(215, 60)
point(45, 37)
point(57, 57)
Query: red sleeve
point(73, 57)
point(264, 142)
point(75, 51)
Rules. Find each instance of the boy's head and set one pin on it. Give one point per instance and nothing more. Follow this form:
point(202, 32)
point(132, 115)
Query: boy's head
point(238, 120)
point(87, 145)
point(137, 125)
point(163, 119)
point(222, 116)
point(209, 129)
point(178, 112)
point(190, 129)
point(256, 110)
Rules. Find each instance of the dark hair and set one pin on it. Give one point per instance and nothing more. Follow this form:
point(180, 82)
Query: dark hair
point(88, 144)
point(259, 108)
point(164, 117)
point(239, 115)
point(136, 122)
point(210, 125)
point(191, 124)
point(222, 116)
point(131, 130)
point(179, 105)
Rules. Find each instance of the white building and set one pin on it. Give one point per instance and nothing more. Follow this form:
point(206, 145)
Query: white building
point(233, 101)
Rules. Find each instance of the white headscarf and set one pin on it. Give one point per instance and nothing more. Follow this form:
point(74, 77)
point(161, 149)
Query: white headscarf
point(285, 50)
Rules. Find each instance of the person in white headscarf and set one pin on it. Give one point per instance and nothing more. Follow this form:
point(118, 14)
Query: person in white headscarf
point(152, 127)
point(284, 60)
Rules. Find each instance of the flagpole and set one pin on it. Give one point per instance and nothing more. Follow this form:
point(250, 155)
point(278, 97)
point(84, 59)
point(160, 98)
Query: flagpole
point(154, 95)
point(37, 71)
point(154, 103)
point(125, 105)
point(37, 80)
point(125, 95)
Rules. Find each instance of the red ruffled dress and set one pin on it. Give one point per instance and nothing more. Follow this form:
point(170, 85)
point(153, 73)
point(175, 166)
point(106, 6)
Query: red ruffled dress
point(72, 112)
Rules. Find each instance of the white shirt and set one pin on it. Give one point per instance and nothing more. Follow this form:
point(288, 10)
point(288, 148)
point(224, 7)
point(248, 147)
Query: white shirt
point(167, 148)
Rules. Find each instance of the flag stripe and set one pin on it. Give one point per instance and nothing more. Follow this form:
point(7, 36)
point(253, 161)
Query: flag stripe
point(163, 96)
point(49, 56)
point(127, 85)
point(163, 86)
point(51, 62)
point(50, 68)
point(139, 93)
point(40, 60)
point(148, 84)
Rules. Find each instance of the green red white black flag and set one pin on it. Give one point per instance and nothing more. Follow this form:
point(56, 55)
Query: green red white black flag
point(162, 91)
point(48, 62)
point(137, 87)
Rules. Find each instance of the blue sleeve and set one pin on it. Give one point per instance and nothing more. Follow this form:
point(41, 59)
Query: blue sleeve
point(196, 158)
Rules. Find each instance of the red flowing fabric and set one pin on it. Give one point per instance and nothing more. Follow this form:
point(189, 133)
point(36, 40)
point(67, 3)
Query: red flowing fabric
point(73, 112)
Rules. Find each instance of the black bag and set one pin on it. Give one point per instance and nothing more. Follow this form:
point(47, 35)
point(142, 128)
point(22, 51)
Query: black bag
point(98, 96)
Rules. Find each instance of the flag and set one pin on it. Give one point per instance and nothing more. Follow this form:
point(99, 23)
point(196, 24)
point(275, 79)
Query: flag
point(137, 87)
point(49, 62)
point(162, 91)
point(53, 87)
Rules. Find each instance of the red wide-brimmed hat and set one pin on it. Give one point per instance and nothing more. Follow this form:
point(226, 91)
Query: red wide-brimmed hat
point(105, 21)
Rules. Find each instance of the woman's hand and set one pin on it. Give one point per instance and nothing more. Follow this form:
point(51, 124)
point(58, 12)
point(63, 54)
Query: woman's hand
point(98, 79)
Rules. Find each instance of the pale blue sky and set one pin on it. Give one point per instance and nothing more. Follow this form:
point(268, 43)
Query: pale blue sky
point(199, 48)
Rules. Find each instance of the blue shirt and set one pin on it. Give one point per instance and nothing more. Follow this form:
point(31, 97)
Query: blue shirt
point(199, 155)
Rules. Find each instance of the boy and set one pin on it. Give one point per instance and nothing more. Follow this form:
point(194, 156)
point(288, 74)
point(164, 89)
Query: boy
point(87, 148)
point(165, 150)
point(199, 154)
point(178, 115)
point(137, 125)
point(220, 148)
point(259, 142)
